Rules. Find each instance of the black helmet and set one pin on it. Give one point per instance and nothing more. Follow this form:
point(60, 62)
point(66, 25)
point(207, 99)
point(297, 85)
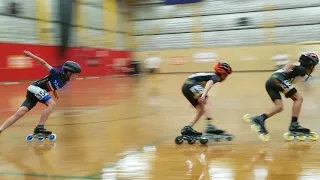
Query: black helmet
point(71, 66)
point(308, 60)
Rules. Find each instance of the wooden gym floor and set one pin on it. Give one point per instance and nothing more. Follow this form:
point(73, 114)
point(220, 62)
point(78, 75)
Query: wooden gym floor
point(124, 128)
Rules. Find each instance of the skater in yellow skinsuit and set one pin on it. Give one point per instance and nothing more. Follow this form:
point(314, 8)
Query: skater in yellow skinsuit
point(281, 82)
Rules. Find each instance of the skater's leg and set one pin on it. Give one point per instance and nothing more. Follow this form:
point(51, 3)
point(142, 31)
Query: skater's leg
point(193, 99)
point(273, 91)
point(47, 111)
point(46, 99)
point(44, 116)
point(200, 112)
point(188, 130)
point(14, 118)
point(26, 106)
point(277, 108)
point(208, 112)
point(296, 108)
point(210, 128)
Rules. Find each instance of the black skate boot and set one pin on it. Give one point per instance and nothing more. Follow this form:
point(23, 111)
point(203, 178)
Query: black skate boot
point(210, 129)
point(295, 128)
point(299, 132)
point(41, 133)
point(259, 126)
point(41, 130)
point(190, 135)
point(189, 131)
point(259, 121)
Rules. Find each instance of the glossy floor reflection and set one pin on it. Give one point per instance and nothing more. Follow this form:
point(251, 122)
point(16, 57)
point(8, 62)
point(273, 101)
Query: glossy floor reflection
point(124, 128)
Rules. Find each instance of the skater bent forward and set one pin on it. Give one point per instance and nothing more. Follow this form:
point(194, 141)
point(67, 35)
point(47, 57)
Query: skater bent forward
point(38, 92)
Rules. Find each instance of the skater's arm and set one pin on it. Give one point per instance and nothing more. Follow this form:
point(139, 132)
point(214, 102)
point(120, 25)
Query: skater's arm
point(289, 67)
point(207, 88)
point(39, 60)
point(55, 94)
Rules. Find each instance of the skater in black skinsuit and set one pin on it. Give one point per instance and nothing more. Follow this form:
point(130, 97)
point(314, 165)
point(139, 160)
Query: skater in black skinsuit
point(197, 95)
point(281, 81)
point(38, 92)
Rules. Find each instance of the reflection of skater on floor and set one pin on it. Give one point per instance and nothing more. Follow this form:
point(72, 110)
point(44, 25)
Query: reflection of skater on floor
point(41, 146)
point(200, 160)
point(28, 162)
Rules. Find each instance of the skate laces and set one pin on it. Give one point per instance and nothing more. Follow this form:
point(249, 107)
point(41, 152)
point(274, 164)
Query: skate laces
point(295, 125)
point(193, 131)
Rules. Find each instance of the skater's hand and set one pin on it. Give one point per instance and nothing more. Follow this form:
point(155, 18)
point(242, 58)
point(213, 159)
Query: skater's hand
point(201, 100)
point(55, 94)
point(27, 53)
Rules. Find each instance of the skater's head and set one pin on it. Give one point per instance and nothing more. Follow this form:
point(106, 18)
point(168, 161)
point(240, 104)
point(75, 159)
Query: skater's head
point(223, 69)
point(309, 61)
point(71, 69)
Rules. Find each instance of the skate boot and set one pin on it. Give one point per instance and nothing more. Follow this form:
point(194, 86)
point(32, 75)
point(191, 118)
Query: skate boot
point(189, 131)
point(258, 125)
point(210, 129)
point(295, 130)
point(190, 135)
point(41, 130)
point(213, 132)
point(41, 134)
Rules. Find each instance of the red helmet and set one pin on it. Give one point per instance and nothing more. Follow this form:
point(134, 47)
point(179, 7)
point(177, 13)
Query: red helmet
point(223, 68)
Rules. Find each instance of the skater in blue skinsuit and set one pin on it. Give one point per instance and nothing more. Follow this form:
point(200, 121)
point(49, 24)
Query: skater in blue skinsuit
point(38, 92)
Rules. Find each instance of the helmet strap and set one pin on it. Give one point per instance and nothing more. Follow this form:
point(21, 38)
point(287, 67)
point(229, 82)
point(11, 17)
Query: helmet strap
point(68, 75)
point(309, 74)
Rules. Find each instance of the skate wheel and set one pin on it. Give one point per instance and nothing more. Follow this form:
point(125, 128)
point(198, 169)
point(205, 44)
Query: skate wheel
point(29, 137)
point(178, 140)
point(264, 137)
point(288, 137)
point(191, 141)
point(247, 118)
point(40, 138)
point(314, 136)
point(301, 138)
point(52, 137)
point(204, 141)
point(255, 128)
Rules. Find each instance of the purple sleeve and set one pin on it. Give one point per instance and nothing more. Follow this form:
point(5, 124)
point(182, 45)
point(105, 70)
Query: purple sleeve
point(52, 70)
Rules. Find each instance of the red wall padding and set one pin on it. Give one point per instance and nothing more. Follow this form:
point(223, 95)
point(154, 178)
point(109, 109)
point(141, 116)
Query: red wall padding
point(103, 58)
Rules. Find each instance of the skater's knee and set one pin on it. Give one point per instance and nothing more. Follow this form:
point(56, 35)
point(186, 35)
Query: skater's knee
point(300, 98)
point(297, 97)
point(51, 103)
point(280, 108)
